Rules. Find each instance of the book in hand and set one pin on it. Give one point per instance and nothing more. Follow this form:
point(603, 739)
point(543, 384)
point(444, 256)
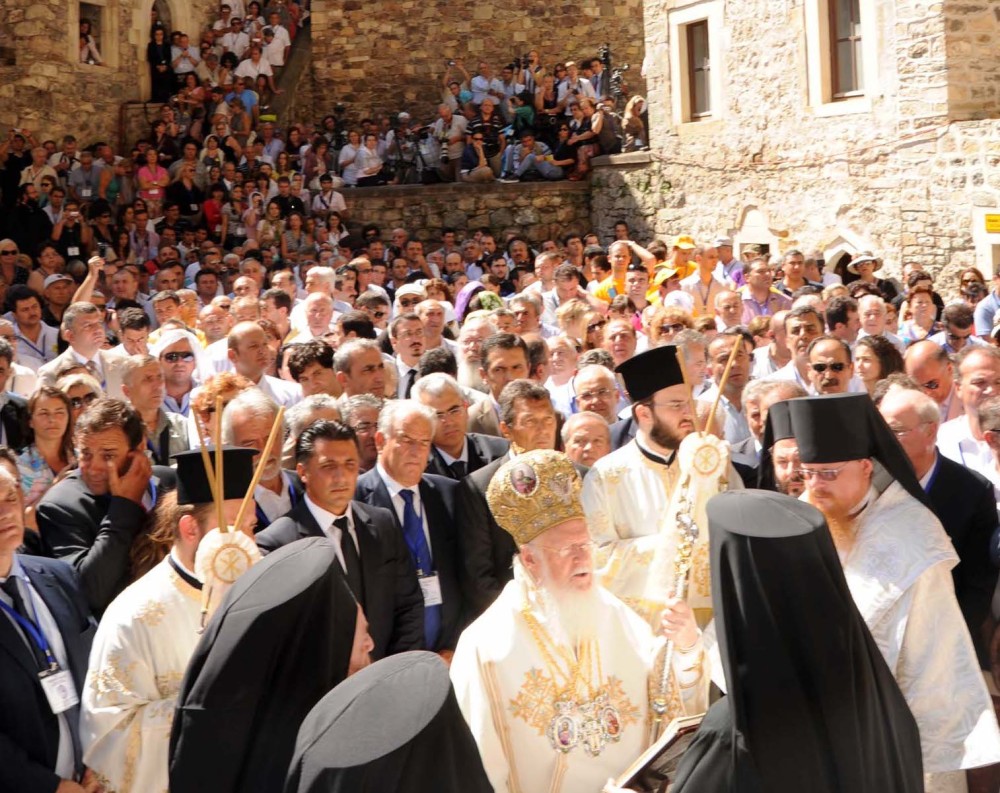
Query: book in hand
point(654, 770)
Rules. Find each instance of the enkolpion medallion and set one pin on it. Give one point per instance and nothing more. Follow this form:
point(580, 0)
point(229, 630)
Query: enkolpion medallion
point(592, 725)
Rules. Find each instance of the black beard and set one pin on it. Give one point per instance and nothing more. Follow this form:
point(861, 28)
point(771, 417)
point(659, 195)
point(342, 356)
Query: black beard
point(664, 436)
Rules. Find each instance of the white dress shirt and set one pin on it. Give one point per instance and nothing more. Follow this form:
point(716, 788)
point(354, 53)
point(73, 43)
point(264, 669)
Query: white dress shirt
point(399, 505)
point(325, 520)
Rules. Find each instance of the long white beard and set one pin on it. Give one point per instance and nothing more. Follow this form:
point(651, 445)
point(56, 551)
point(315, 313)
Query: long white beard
point(571, 616)
point(468, 375)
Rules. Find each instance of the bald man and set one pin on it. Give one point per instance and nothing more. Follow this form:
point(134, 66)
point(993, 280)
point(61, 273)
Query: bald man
point(928, 363)
point(249, 354)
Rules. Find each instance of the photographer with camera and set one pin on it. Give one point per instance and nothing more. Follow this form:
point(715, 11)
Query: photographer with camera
point(530, 70)
point(71, 235)
point(573, 88)
point(511, 88)
point(452, 88)
point(449, 132)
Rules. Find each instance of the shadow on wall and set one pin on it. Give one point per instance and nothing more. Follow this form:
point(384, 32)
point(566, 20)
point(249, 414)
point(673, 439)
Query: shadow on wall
point(637, 194)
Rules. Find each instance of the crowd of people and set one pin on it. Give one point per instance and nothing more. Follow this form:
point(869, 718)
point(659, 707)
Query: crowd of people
point(480, 446)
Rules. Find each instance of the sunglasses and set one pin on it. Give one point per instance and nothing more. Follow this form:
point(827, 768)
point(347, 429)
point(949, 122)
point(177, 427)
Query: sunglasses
point(596, 326)
point(676, 327)
point(78, 402)
point(174, 357)
point(8, 253)
point(819, 368)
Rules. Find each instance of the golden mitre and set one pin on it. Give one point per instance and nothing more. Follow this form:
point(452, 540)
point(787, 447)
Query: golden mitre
point(534, 492)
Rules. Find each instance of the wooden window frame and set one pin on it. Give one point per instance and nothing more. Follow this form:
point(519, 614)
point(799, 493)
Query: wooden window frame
point(857, 42)
point(693, 69)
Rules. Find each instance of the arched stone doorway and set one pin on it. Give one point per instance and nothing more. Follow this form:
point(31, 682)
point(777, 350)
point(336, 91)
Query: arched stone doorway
point(172, 13)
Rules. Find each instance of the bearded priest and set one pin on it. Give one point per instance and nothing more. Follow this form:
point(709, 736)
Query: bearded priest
point(897, 560)
point(149, 632)
point(556, 677)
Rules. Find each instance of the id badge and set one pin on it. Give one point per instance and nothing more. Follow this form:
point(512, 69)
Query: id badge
point(86, 192)
point(430, 585)
point(155, 191)
point(72, 251)
point(59, 690)
point(194, 209)
point(241, 231)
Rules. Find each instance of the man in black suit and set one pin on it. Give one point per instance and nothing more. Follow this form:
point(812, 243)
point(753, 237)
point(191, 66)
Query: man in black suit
point(372, 551)
point(455, 453)
point(39, 749)
point(528, 420)
point(14, 410)
point(424, 508)
point(92, 518)
point(962, 500)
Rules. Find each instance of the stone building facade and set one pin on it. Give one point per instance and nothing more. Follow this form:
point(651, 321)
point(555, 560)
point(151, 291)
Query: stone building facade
point(390, 56)
point(826, 125)
point(43, 85)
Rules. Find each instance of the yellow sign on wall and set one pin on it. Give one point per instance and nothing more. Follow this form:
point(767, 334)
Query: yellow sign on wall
point(992, 224)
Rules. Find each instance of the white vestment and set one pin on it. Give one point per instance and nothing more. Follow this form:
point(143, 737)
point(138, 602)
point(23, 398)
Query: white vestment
point(508, 693)
point(899, 572)
point(140, 653)
point(627, 498)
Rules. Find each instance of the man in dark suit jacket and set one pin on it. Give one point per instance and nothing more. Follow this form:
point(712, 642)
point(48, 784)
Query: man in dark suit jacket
point(528, 420)
point(92, 518)
point(49, 594)
point(14, 410)
point(372, 550)
point(455, 452)
point(436, 496)
point(962, 500)
point(622, 431)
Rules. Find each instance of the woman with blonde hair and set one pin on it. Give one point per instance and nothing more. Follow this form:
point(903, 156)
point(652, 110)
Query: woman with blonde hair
point(225, 385)
point(667, 323)
point(571, 317)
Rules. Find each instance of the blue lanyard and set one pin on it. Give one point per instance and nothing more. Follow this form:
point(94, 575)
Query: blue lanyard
point(34, 632)
point(41, 352)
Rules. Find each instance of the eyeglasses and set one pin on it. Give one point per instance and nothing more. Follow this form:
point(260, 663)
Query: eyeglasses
point(8, 253)
point(600, 393)
point(78, 402)
point(824, 474)
point(900, 433)
point(174, 357)
point(819, 368)
point(596, 326)
point(958, 336)
point(408, 303)
point(364, 426)
point(451, 413)
point(581, 548)
point(675, 327)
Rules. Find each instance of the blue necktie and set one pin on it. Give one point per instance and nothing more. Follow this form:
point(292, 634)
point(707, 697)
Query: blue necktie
point(413, 533)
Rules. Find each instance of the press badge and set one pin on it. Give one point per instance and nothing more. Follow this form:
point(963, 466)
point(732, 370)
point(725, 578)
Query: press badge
point(72, 251)
point(430, 585)
point(59, 689)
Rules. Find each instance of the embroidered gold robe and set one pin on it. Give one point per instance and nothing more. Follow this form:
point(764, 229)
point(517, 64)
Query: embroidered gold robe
point(140, 653)
point(508, 693)
point(627, 498)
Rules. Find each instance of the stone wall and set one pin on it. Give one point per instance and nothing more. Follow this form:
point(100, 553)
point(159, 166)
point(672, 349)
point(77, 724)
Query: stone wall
point(538, 210)
point(391, 57)
point(895, 175)
point(45, 89)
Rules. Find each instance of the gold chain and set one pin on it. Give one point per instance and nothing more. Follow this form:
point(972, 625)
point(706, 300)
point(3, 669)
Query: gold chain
point(573, 676)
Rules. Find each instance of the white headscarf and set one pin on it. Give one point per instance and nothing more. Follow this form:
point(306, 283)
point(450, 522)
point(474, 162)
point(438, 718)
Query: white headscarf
point(202, 365)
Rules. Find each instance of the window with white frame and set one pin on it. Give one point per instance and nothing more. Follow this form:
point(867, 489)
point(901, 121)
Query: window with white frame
point(841, 55)
point(695, 61)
